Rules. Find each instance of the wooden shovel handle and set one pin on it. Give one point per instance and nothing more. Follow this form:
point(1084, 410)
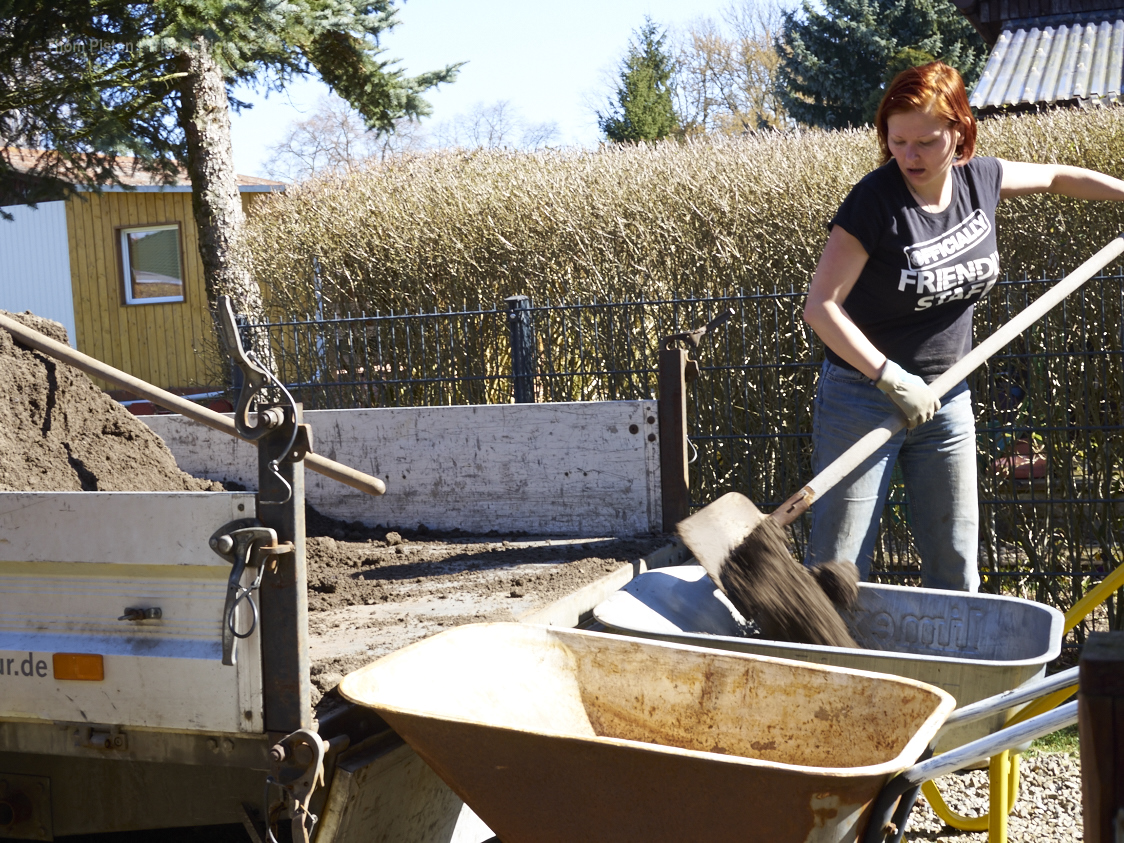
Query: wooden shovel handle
point(169, 401)
point(850, 459)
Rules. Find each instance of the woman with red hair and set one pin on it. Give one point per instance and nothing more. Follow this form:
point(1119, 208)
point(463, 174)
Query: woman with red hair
point(910, 251)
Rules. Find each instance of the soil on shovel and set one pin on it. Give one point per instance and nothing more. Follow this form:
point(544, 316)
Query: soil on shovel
point(787, 600)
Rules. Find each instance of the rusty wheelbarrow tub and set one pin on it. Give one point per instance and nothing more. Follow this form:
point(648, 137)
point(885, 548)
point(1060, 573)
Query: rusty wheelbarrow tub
point(971, 645)
point(565, 735)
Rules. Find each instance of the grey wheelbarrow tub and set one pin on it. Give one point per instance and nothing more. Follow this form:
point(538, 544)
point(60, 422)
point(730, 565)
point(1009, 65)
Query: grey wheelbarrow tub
point(972, 645)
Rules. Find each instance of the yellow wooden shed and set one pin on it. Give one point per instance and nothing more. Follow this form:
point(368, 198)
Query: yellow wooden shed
point(121, 270)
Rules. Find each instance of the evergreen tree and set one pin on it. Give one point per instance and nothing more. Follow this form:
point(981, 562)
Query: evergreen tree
point(644, 110)
point(94, 79)
point(836, 62)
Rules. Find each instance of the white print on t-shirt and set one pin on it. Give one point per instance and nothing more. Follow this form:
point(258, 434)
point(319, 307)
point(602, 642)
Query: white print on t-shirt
point(952, 283)
point(949, 245)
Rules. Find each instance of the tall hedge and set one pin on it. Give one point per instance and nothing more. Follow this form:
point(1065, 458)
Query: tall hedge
point(712, 215)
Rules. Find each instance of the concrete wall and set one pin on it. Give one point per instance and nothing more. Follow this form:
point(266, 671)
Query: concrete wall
point(576, 469)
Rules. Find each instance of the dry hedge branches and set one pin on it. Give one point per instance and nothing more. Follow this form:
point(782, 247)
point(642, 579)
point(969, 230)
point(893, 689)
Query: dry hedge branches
point(711, 215)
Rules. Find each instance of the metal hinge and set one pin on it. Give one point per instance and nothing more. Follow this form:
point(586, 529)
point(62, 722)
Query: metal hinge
point(100, 737)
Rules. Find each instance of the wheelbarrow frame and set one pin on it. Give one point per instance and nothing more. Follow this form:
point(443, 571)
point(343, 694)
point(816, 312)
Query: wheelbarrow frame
point(896, 800)
point(1003, 770)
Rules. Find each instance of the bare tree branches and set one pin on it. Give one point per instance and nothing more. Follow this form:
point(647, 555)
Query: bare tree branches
point(333, 137)
point(726, 71)
point(495, 126)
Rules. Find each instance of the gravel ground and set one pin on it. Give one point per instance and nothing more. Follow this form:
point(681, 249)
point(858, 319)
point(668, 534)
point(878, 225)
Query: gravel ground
point(1048, 807)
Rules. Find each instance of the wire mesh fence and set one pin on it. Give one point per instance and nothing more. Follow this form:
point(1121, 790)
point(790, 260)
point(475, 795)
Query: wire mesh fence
point(1048, 406)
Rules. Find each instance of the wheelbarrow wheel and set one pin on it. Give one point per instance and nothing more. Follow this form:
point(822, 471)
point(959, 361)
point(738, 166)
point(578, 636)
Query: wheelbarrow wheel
point(891, 809)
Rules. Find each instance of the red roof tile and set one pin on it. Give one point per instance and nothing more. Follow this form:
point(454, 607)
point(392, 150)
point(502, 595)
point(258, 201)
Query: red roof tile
point(128, 169)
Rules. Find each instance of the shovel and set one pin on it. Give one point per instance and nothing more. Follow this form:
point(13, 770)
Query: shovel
point(720, 528)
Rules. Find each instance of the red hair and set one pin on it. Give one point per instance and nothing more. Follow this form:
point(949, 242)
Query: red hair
point(935, 88)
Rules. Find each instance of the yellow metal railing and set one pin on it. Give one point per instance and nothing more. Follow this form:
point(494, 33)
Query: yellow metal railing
point(1003, 770)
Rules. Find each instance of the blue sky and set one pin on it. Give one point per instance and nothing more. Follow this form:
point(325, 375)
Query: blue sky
point(550, 60)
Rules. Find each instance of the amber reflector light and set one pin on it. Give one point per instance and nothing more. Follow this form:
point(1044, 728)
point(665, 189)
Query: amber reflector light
point(85, 666)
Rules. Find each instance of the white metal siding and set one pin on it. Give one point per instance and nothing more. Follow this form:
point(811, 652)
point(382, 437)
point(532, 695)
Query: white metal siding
point(72, 563)
point(35, 264)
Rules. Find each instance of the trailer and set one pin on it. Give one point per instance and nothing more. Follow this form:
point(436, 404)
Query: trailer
point(154, 656)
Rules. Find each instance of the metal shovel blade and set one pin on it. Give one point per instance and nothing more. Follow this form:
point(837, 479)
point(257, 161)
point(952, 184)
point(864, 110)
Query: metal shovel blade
point(716, 529)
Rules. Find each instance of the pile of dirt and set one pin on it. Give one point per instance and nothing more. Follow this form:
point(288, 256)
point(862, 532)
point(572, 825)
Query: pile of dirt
point(60, 433)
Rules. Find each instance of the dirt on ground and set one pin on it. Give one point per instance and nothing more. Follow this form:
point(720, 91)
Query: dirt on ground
point(373, 590)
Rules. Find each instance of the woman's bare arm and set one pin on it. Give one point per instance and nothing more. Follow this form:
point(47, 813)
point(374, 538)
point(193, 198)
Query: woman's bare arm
point(836, 273)
point(1021, 178)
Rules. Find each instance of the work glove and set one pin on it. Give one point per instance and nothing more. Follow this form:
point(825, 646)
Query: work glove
point(912, 395)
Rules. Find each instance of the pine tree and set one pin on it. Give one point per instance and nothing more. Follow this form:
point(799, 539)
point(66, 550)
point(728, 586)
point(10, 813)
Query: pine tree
point(644, 109)
point(835, 63)
point(94, 79)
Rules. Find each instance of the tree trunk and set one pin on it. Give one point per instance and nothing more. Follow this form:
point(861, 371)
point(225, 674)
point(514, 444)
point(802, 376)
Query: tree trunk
point(205, 117)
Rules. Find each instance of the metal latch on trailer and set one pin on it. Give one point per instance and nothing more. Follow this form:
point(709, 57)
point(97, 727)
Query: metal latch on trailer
point(244, 543)
point(297, 769)
point(689, 341)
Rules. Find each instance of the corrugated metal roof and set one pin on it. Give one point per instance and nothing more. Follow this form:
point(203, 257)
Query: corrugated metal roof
point(1032, 64)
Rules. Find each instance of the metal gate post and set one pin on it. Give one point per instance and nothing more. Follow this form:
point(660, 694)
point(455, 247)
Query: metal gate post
point(674, 494)
point(522, 348)
point(676, 370)
point(284, 596)
point(283, 442)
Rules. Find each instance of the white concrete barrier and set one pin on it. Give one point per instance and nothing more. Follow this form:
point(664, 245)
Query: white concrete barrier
point(575, 469)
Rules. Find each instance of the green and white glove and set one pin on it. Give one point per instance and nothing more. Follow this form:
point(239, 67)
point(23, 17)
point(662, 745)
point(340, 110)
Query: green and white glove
point(913, 396)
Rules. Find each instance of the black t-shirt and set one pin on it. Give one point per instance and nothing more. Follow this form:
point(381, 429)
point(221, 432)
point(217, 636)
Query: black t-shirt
point(924, 271)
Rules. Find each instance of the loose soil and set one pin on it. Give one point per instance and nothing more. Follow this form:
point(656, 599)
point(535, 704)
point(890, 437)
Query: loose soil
point(371, 590)
point(767, 585)
point(60, 433)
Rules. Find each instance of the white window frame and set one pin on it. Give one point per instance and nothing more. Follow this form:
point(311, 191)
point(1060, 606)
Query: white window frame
point(126, 275)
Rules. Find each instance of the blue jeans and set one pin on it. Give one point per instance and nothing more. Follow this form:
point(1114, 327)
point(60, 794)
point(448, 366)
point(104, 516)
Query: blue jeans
point(938, 462)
